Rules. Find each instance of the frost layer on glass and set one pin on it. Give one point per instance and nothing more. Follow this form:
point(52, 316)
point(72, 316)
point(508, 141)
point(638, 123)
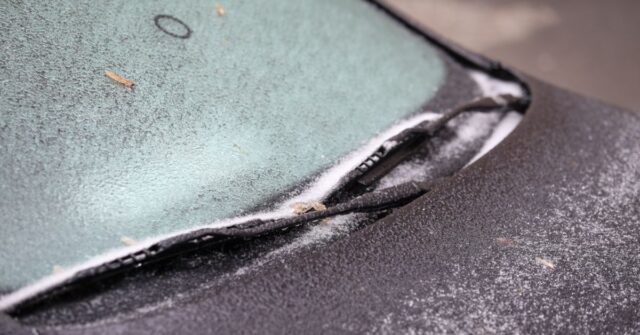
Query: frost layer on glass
point(226, 112)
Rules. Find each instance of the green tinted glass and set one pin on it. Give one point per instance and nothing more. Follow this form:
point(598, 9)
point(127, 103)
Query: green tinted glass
point(226, 112)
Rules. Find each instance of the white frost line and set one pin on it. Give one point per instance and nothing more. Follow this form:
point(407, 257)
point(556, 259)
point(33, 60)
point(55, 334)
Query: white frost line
point(502, 130)
point(316, 234)
point(493, 87)
point(322, 186)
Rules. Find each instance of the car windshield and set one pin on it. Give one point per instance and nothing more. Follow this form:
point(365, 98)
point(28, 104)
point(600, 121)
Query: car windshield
point(209, 111)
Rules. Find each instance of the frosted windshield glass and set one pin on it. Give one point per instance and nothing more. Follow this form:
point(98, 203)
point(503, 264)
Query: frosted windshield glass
point(226, 112)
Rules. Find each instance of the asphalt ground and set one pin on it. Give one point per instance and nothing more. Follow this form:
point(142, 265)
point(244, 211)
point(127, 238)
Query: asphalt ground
point(588, 46)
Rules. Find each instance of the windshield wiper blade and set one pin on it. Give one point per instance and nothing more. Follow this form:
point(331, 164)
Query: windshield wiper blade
point(376, 201)
point(388, 159)
point(398, 148)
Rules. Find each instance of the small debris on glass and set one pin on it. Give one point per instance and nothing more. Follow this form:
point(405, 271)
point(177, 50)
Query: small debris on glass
point(240, 149)
point(57, 269)
point(219, 9)
point(546, 263)
point(118, 78)
point(306, 207)
point(506, 242)
point(128, 241)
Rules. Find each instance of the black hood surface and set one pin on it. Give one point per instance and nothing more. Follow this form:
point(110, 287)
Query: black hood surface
point(540, 235)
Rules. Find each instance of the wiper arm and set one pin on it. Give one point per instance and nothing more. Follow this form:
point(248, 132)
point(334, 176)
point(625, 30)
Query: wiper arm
point(390, 197)
point(387, 159)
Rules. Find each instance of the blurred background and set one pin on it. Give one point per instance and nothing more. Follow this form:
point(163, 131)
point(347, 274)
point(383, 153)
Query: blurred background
point(588, 46)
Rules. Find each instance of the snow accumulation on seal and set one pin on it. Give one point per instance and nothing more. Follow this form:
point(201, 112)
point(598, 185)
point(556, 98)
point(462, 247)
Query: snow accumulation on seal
point(490, 127)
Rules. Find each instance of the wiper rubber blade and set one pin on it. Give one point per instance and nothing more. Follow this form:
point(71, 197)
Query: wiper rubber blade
point(398, 148)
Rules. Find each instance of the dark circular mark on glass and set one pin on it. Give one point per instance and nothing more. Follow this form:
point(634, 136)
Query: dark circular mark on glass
point(166, 27)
